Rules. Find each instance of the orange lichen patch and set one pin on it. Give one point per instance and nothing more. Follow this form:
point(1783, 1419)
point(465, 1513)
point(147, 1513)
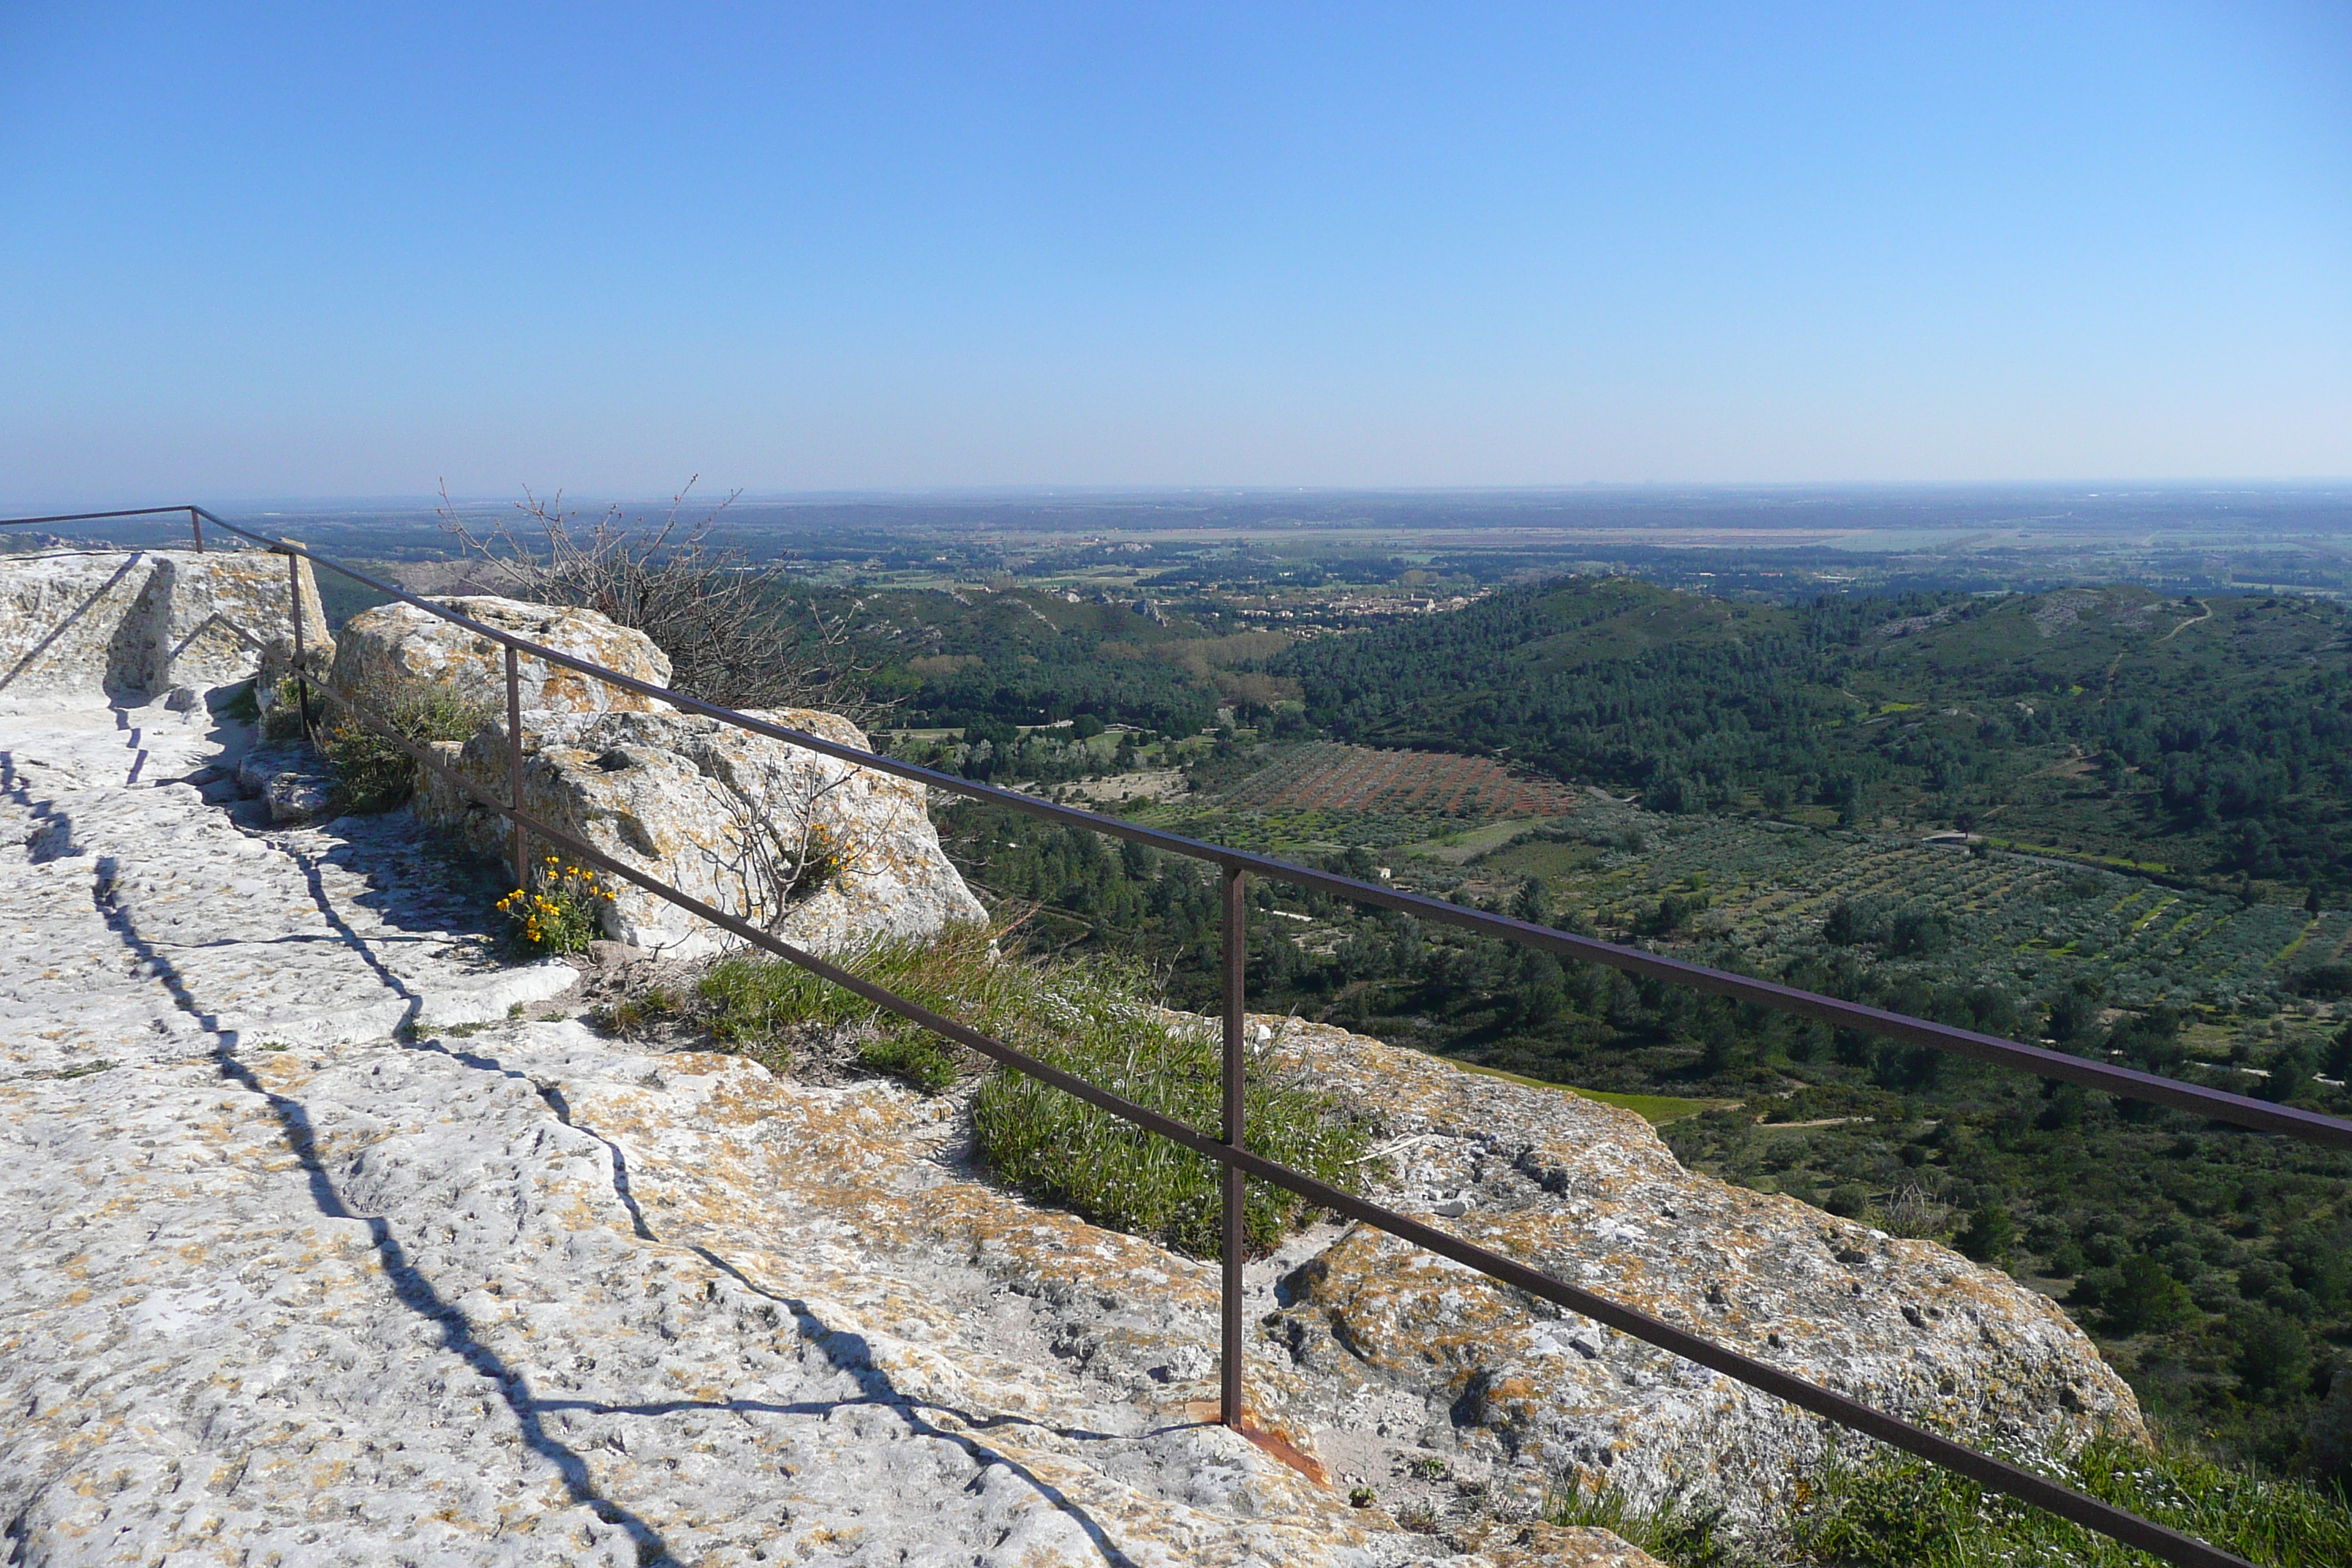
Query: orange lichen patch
point(699, 1064)
point(1550, 1546)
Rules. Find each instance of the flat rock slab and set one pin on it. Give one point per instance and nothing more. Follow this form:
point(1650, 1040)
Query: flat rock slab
point(138, 922)
point(282, 1286)
point(518, 1298)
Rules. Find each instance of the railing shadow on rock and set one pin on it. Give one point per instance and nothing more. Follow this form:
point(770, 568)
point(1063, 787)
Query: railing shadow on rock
point(1227, 1146)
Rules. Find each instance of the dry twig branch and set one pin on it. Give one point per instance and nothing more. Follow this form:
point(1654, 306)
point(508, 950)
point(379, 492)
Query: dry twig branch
point(735, 631)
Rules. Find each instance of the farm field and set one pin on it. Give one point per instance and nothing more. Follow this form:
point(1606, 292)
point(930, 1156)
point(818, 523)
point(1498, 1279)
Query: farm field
point(2022, 923)
point(1328, 776)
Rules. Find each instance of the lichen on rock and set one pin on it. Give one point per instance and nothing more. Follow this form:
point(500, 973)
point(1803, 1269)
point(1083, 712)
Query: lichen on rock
point(822, 853)
point(1377, 1333)
point(827, 855)
point(381, 647)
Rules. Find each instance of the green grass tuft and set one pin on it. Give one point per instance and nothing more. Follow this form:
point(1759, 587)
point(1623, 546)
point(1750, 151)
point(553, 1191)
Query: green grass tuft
point(634, 1015)
point(242, 707)
point(372, 774)
point(283, 719)
point(1891, 1510)
point(1692, 1540)
point(1098, 1019)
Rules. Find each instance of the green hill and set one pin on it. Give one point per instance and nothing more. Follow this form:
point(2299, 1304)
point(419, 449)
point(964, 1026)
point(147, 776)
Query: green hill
point(2198, 738)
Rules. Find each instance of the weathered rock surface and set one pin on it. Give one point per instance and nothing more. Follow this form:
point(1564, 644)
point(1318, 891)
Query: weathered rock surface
point(139, 923)
point(527, 1296)
point(290, 779)
point(285, 1281)
point(392, 643)
point(86, 623)
point(827, 855)
point(524, 1299)
point(1379, 1338)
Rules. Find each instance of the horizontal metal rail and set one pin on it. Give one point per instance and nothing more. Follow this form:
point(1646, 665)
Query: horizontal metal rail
point(1984, 1468)
point(1999, 1475)
point(196, 516)
point(2219, 1104)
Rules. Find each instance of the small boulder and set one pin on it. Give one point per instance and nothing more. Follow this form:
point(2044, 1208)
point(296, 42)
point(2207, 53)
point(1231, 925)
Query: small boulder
point(290, 779)
point(398, 642)
point(826, 855)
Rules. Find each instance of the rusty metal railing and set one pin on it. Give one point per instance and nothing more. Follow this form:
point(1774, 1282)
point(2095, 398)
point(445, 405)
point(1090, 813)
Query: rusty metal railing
point(1227, 1147)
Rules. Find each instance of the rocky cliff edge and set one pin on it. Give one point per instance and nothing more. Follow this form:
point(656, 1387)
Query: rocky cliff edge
point(294, 1273)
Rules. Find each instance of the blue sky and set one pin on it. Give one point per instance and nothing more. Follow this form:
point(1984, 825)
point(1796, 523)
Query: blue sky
point(253, 250)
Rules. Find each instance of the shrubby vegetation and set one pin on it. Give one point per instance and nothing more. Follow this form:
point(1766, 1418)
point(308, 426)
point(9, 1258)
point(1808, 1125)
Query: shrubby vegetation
point(736, 631)
point(1889, 1511)
point(1096, 1017)
point(371, 772)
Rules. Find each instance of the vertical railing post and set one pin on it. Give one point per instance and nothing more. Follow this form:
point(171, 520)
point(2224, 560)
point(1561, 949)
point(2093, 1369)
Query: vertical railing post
point(196, 526)
point(514, 766)
point(294, 594)
point(1236, 955)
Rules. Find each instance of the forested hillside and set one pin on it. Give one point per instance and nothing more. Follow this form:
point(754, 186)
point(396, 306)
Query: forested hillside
point(2210, 1263)
point(1031, 656)
point(2197, 737)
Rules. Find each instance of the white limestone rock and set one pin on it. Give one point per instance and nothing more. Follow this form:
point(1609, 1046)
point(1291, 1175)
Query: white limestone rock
point(702, 805)
point(93, 622)
point(523, 1298)
point(295, 798)
point(137, 923)
point(1373, 1334)
point(290, 779)
point(381, 647)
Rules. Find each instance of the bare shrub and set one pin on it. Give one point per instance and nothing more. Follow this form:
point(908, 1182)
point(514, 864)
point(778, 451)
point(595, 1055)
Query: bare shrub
point(784, 855)
point(1911, 1210)
point(734, 631)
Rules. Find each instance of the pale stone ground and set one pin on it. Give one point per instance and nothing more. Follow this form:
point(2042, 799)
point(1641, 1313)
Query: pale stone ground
point(142, 923)
point(283, 1283)
point(294, 1270)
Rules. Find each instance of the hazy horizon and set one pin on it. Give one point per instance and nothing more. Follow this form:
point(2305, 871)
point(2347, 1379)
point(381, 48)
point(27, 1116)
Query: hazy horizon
point(2090, 486)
